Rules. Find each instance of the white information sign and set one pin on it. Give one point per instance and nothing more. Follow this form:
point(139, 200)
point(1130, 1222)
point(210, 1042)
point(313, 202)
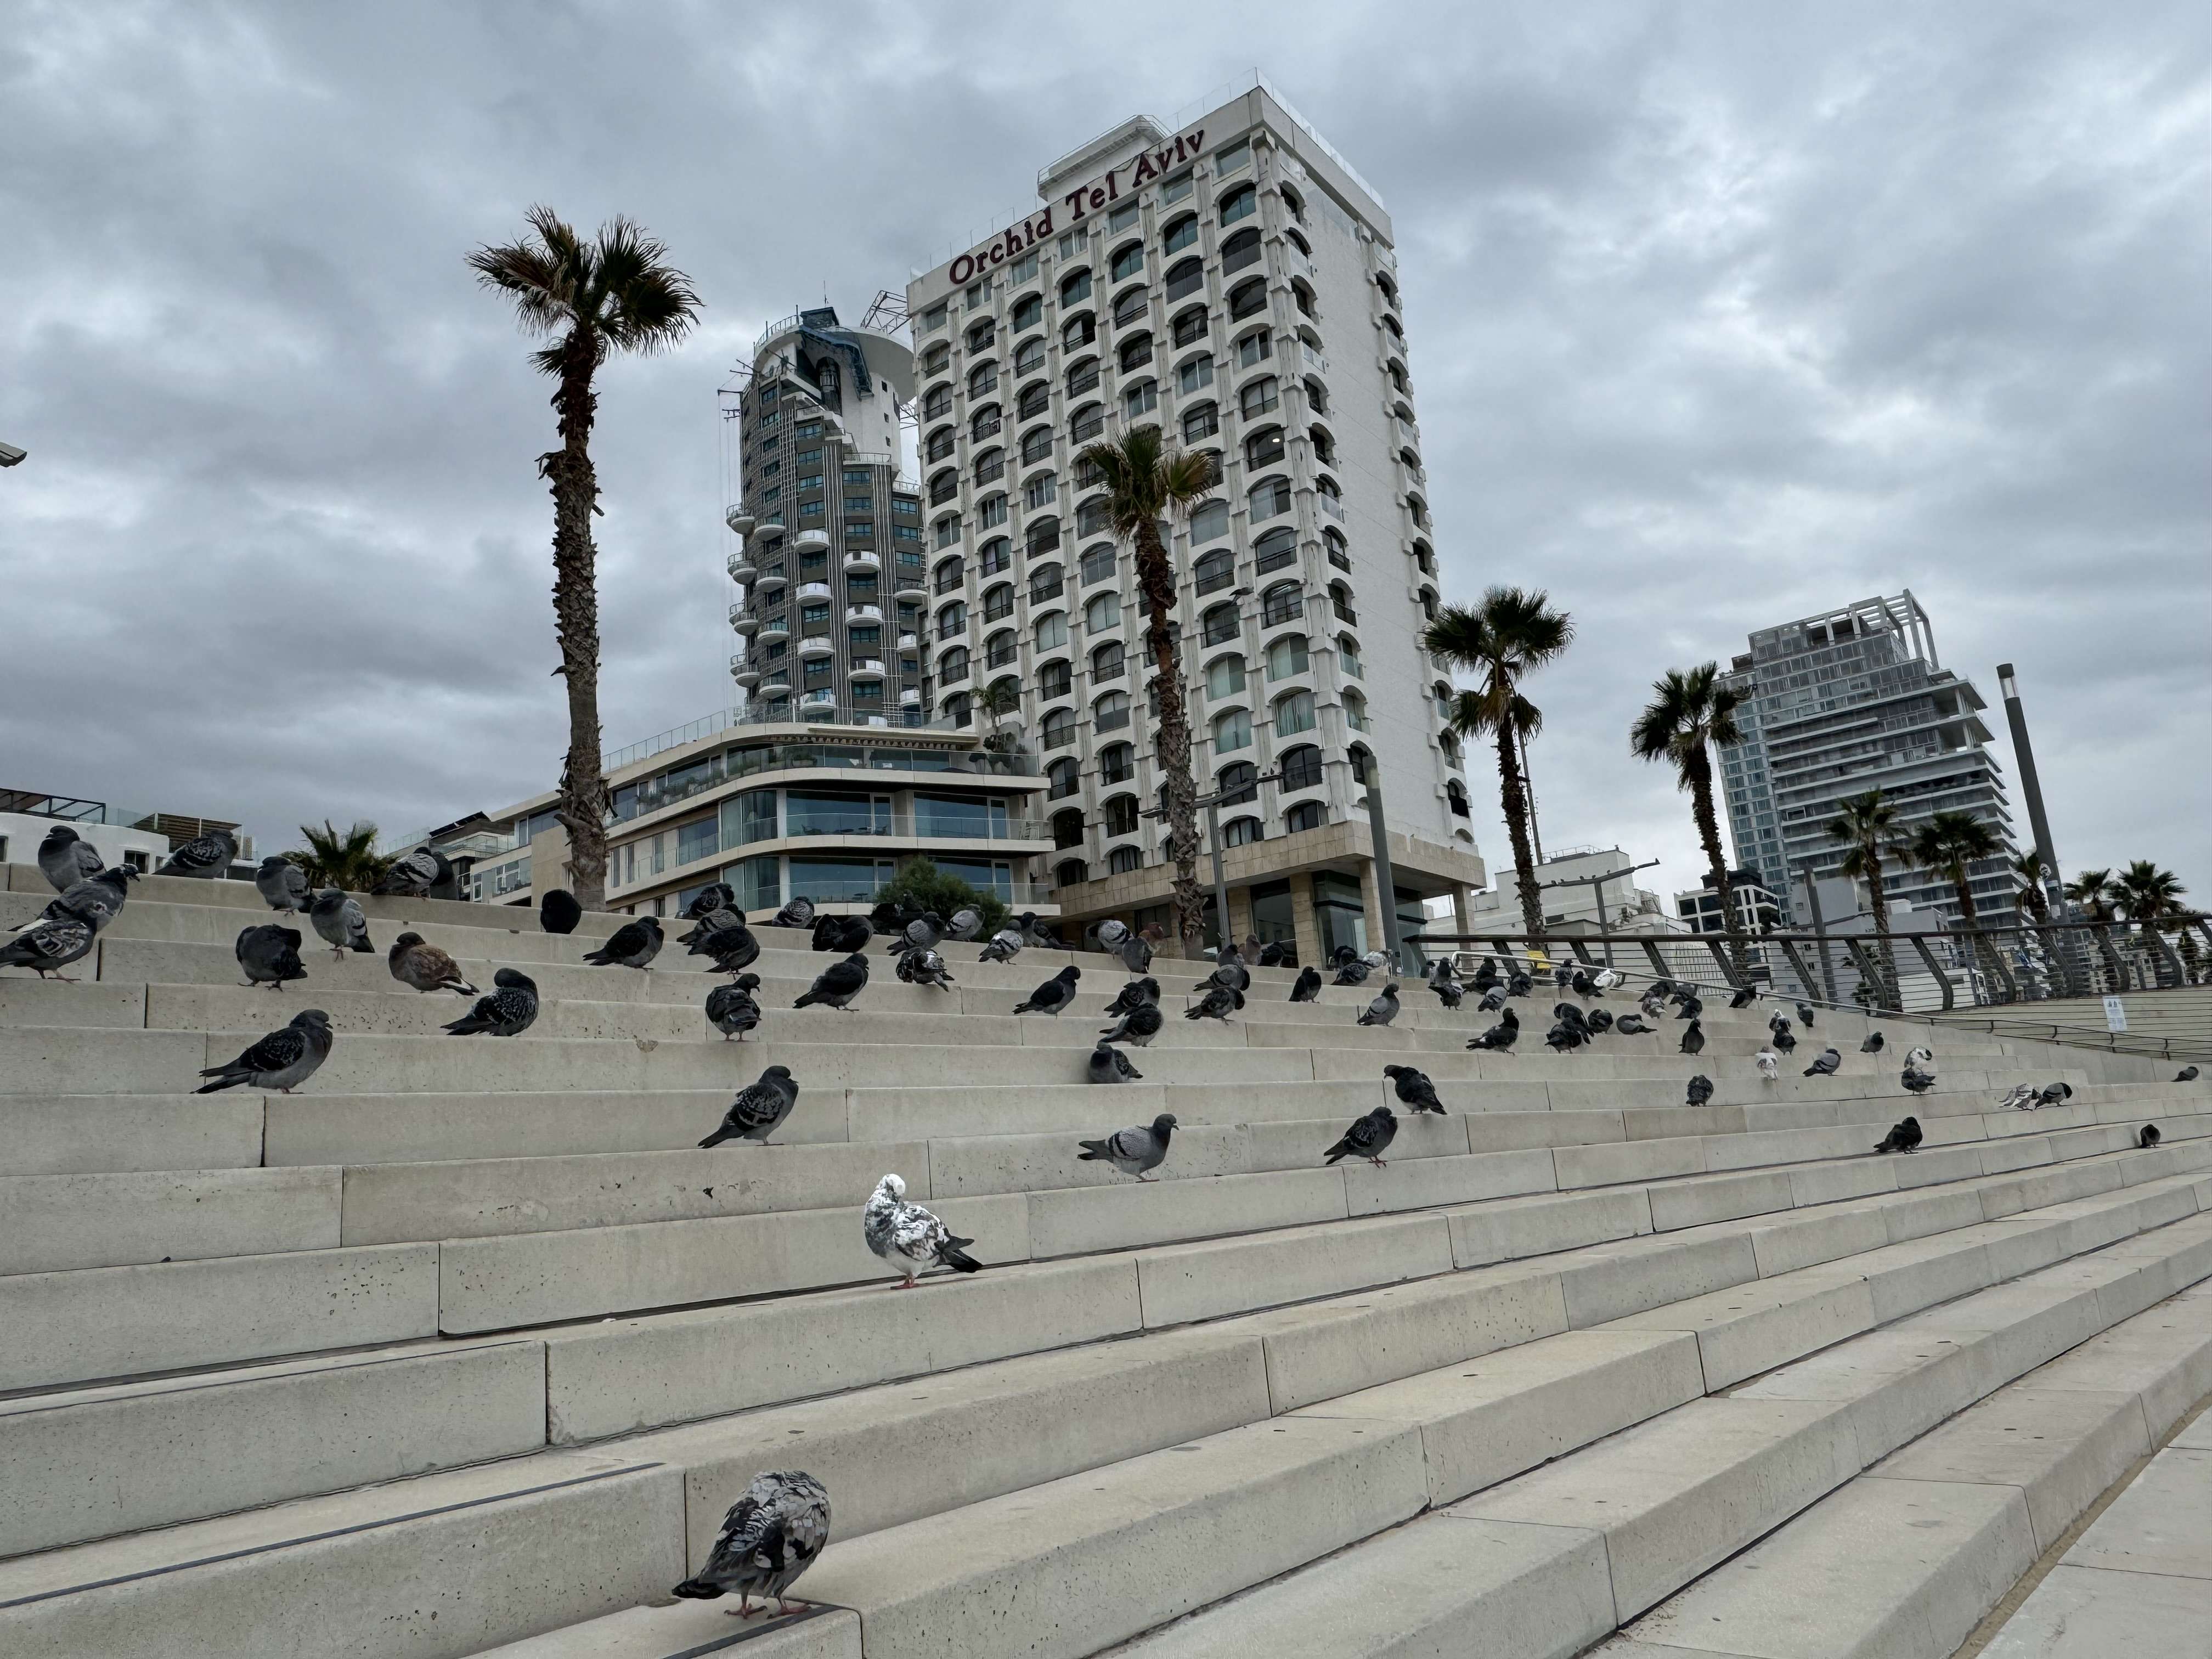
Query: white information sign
point(2116, 1016)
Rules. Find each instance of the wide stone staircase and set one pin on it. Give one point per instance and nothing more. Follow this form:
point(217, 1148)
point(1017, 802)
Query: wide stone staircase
point(467, 1345)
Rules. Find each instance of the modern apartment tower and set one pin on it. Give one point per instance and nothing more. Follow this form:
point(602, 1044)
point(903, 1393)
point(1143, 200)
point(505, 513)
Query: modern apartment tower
point(1845, 702)
point(830, 563)
point(1230, 280)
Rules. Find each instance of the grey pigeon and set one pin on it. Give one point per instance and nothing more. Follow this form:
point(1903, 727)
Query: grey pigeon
point(730, 945)
point(1413, 1088)
point(412, 875)
point(1002, 947)
point(2148, 1135)
point(1139, 1026)
point(1229, 973)
point(1691, 1007)
point(1701, 1090)
point(1136, 954)
point(1307, 987)
point(1384, 1008)
point(282, 1060)
point(715, 896)
point(96, 900)
point(1368, 1137)
point(731, 1009)
point(1601, 1019)
point(1110, 933)
point(283, 883)
point(1110, 1064)
point(1827, 1065)
point(1134, 994)
point(425, 967)
point(633, 944)
point(923, 966)
point(1631, 1025)
point(1519, 984)
point(1219, 1003)
point(1805, 1015)
point(925, 932)
point(770, 1536)
point(759, 1110)
point(1904, 1137)
point(1501, 1037)
point(1744, 997)
point(1053, 996)
point(66, 858)
point(835, 986)
point(509, 1011)
point(908, 1237)
point(1563, 975)
point(270, 955)
point(1872, 1043)
point(558, 911)
point(799, 913)
point(1915, 1081)
point(342, 923)
point(48, 945)
point(1032, 931)
point(1693, 1037)
point(1133, 1151)
point(203, 857)
point(1492, 1001)
point(1352, 973)
point(2186, 1074)
point(966, 923)
point(1447, 991)
point(1271, 955)
point(2055, 1092)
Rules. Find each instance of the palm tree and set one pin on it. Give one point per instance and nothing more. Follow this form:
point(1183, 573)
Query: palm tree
point(345, 858)
point(1506, 636)
point(615, 293)
point(1946, 843)
point(2147, 892)
point(1146, 482)
point(2028, 867)
point(1687, 712)
point(2093, 890)
point(995, 701)
point(1867, 829)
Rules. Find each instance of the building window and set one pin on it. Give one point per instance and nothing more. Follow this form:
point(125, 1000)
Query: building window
point(1287, 658)
point(1036, 446)
point(1034, 401)
point(1301, 768)
point(1224, 677)
point(1201, 423)
point(1051, 631)
point(1111, 712)
point(1258, 397)
point(1083, 377)
point(1240, 832)
point(1276, 550)
point(1121, 218)
point(1189, 326)
point(1098, 563)
point(1215, 570)
point(995, 555)
point(1058, 728)
point(1218, 626)
point(1240, 203)
point(1294, 714)
point(1239, 251)
point(1141, 398)
point(1232, 730)
point(1121, 814)
point(1117, 763)
point(1306, 815)
point(1269, 499)
point(1127, 261)
point(1264, 448)
point(1028, 311)
point(1075, 287)
point(1103, 612)
point(981, 379)
point(990, 511)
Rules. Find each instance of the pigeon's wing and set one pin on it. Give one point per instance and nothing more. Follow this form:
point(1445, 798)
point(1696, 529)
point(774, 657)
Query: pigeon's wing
point(284, 1047)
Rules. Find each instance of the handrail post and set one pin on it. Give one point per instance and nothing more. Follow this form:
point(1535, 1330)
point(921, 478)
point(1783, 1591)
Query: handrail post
point(1943, 979)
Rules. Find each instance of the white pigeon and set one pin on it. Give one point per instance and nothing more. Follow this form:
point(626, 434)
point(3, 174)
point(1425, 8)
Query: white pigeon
point(1769, 1065)
point(908, 1237)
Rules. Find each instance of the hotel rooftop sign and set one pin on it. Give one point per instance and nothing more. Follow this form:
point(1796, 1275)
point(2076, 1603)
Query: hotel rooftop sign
point(1077, 204)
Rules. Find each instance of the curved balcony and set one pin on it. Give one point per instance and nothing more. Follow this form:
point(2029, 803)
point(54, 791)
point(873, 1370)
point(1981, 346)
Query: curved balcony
point(770, 581)
point(744, 672)
point(814, 589)
point(811, 541)
point(864, 613)
point(909, 641)
point(740, 519)
point(743, 620)
point(816, 645)
point(818, 700)
point(741, 566)
point(860, 558)
point(910, 698)
point(865, 668)
point(776, 627)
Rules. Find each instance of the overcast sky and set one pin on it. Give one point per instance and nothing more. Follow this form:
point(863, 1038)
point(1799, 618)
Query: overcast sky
point(1719, 315)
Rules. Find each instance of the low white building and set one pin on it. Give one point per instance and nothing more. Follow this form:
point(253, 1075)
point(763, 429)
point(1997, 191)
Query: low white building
point(125, 835)
point(1578, 885)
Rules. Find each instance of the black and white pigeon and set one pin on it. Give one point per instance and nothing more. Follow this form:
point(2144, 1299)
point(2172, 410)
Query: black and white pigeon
point(96, 900)
point(1652, 1004)
point(1693, 1037)
point(510, 1010)
point(919, 965)
point(558, 911)
point(908, 1237)
point(1270, 954)
point(65, 858)
point(770, 1536)
point(1108, 935)
point(1110, 1064)
point(965, 924)
point(843, 935)
point(1492, 1001)
point(2022, 1098)
point(49, 944)
point(1138, 1026)
point(1413, 1088)
point(1827, 1065)
point(1583, 984)
point(1055, 994)
point(759, 1110)
point(1744, 997)
point(1136, 954)
point(1872, 1043)
point(1384, 1008)
point(1501, 1037)
point(2147, 1135)
point(283, 883)
point(340, 923)
point(633, 944)
point(1805, 1015)
point(835, 986)
point(1921, 1058)
point(1631, 1025)
point(1352, 973)
point(1135, 1151)
point(424, 967)
point(1307, 987)
point(1701, 1090)
point(715, 896)
point(1369, 1137)
point(1914, 1081)
point(1769, 1064)
point(412, 875)
point(1133, 995)
point(1903, 1137)
point(282, 1060)
point(1448, 991)
point(799, 913)
point(203, 857)
point(1002, 947)
point(2054, 1093)
point(1600, 1019)
point(2186, 1074)
point(1219, 1003)
point(269, 954)
point(732, 1009)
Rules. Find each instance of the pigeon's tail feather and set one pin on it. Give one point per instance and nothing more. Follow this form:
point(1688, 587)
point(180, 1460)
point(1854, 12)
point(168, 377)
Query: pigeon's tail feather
point(468, 1027)
point(1342, 1149)
point(958, 1260)
point(806, 999)
point(724, 1133)
point(699, 1590)
point(224, 1078)
point(1092, 1150)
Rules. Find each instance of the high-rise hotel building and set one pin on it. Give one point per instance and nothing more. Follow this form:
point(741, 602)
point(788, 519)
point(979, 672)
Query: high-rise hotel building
point(1232, 281)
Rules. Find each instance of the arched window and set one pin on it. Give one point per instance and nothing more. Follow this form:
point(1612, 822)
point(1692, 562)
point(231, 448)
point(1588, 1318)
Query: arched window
point(1135, 352)
point(1185, 277)
point(1340, 600)
point(1215, 570)
point(1043, 490)
point(1455, 796)
point(1332, 543)
point(1069, 871)
point(1201, 421)
point(1028, 312)
point(994, 555)
point(1232, 730)
point(1085, 424)
point(1258, 397)
point(1281, 604)
point(1294, 714)
point(948, 530)
point(952, 665)
point(1055, 679)
point(1248, 299)
point(1306, 815)
point(1001, 649)
point(1286, 656)
point(1098, 563)
point(1130, 306)
point(1324, 446)
point(979, 335)
point(1224, 677)
point(1264, 447)
point(1075, 287)
point(1058, 728)
point(1239, 251)
point(1355, 711)
point(948, 575)
point(998, 602)
point(1117, 763)
point(981, 379)
point(1141, 398)
point(1209, 521)
point(1269, 499)
point(1110, 713)
point(940, 444)
point(943, 486)
point(934, 359)
point(1348, 657)
point(1123, 860)
point(1034, 400)
point(1301, 768)
point(1067, 826)
point(990, 463)
point(952, 621)
point(1063, 778)
point(1036, 445)
point(1103, 612)
point(1240, 832)
point(936, 403)
point(1082, 377)
point(1290, 201)
point(983, 422)
point(1051, 631)
point(1079, 330)
point(956, 708)
point(1127, 261)
point(1240, 204)
point(1189, 326)
point(1239, 783)
point(1028, 356)
point(1183, 234)
point(1120, 815)
point(1277, 549)
point(1317, 400)
point(1218, 625)
point(1360, 758)
point(1044, 579)
point(1108, 662)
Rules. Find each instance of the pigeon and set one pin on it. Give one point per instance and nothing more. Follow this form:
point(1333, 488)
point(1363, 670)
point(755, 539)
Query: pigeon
point(759, 1110)
point(799, 913)
point(1785, 1039)
point(2186, 1074)
point(412, 875)
point(283, 883)
point(1271, 956)
point(633, 944)
point(1904, 1137)
point(1501, 1037)
point(1583, 984)
point(1566, 1037)
point(843, 935)
point(770, 1537)
point(1136, 954)
point(1598, 1020)
point(48, 945)
point(1034, 932)
point(1219, 1004)
point(1827, 1065)
point(1052, 996)
point(1562, 975)
point(270, 955)
point(2148, 1135)
point(281, 1060)
point(1769, 1064)
point(1377, 959)
point(1744, 997)
point(1691, 1007)
point(1110, 1065)
point(1492, 1001)
point(96, 900)
point(1914, 1081)
point(2055, 1092)
point(1368, 1137)
point(921, 966)
point(2022, 1098)
point(1384, 1008)
point(733, 946)
point(1002, 947)
point(1872, 1043)
point(1652, 1005)
point(1109, 934)
point(1519, 984)
point(340, 921)
point(558, 911)
point(731, 1009)
point(966, 922)
point(1230, 973)
point(715, 896)
point(1413, 1088)
point(1631, 1025)
point(1693, 1038)
point(509, 1011)
point(1805, 1015)
point(1701, 1090)
point(1134, 995)
point(1922, 1060)
point(1448, 991)
point(835, 986)
point(889, 919)
point(1307, 987)
point(425, 967)
point(1139, 1026)
point(908, 1237)
point(203, 857)
point(66, 858)
point(1133, 1150)
point(1352, 973)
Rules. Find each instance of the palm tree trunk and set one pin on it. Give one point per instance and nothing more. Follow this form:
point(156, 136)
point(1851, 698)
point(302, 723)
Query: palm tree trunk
point(1984, 951)
point(1513, 799)
point(575, 488)
point(1156, 579)
point(1890, 992)
point(1709, 834)
point(2039, 908)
